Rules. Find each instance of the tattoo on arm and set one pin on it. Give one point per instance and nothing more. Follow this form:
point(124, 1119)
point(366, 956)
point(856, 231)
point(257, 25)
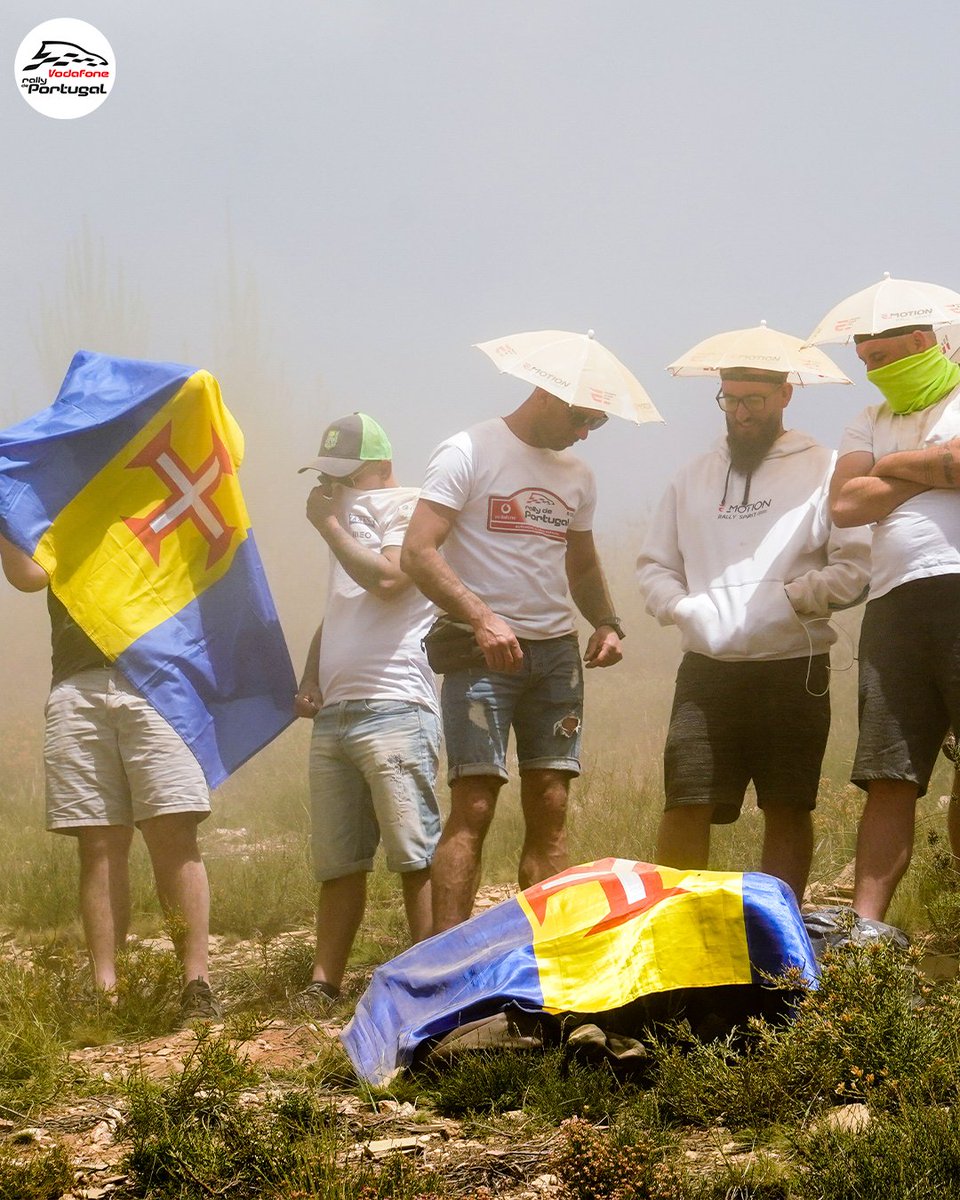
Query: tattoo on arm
point(949, 473)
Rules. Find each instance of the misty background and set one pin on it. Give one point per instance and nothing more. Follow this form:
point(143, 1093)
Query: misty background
point(325, 204)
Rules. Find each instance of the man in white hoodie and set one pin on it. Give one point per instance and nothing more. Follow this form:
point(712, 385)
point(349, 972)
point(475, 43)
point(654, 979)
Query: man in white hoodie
point(742, 557)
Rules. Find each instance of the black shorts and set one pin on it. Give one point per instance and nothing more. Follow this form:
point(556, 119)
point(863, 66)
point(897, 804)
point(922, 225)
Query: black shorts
point(909, 680)
point(737, 721)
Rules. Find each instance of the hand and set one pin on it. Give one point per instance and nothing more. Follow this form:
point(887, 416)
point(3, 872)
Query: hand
point(603, 649)
point(499, 644)
point(322, 505)
point(308, 700)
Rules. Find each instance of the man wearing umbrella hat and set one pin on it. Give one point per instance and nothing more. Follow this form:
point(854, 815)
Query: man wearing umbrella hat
point(742, 558)
point(899, 471)
point(512, 509)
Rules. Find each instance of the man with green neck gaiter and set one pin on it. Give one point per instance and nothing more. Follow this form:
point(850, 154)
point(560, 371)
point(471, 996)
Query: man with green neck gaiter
point(899, 471)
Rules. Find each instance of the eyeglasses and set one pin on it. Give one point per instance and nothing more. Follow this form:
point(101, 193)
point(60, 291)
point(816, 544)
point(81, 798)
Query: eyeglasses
point(585, 418)
point(753, 403)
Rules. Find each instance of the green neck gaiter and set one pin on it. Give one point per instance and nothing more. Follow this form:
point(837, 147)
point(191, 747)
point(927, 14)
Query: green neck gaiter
point(914, 383)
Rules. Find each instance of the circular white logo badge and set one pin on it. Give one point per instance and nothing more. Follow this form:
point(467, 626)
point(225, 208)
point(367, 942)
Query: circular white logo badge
point(65, 68)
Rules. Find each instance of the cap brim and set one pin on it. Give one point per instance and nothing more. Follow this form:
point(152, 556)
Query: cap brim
point(338, 468)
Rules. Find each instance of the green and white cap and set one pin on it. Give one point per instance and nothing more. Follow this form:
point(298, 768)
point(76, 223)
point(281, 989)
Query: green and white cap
point(347, 444)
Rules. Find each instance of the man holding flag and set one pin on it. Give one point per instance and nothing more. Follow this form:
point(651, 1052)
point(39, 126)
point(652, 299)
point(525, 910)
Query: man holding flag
point(169, 667)
point(112, 762)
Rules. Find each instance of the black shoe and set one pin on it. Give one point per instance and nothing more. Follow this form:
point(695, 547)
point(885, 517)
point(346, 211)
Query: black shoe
point(316, 999)
point(198, 1003)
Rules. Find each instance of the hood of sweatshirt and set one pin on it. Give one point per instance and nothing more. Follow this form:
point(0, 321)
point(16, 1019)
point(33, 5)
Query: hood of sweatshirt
point(788, 443)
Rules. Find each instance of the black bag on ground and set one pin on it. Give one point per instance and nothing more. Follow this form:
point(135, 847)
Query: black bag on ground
point(451, 646)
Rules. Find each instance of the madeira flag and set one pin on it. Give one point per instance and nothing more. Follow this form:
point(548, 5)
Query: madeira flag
point(593, 939)
point(125, 491)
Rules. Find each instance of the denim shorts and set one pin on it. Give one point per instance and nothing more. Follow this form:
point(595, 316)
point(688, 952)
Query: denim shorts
point(543, 701)
point(111, 759)
point(373, 771)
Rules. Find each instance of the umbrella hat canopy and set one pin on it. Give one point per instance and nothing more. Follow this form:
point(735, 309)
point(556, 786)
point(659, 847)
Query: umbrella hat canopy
point(762, 349)
point(889, 304)
point(575, 368)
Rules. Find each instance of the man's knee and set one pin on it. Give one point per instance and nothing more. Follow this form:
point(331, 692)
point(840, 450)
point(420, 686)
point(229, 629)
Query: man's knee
point(473, 801)
point(172, 833)
point(544, 796)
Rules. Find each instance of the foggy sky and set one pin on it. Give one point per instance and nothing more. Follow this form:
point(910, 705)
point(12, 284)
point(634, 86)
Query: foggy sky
point(325, 204)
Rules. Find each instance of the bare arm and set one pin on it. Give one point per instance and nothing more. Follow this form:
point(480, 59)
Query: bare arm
point(376, 571)
point(20, 569)
point(932, 467)
point(860, 497)
point(588, 587)
point(309, 699)
point(429, 528)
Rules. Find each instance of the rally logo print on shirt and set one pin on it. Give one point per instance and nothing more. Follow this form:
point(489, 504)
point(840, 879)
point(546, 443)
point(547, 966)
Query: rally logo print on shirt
point(741, 511)
point(530, 510)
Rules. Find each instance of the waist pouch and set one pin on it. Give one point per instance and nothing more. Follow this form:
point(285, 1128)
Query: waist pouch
point(451, 646)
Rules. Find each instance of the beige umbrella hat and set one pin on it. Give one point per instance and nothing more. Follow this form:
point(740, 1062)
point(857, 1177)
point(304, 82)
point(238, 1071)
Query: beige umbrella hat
point(575, 368)
point(889, 304)
point(763, 349)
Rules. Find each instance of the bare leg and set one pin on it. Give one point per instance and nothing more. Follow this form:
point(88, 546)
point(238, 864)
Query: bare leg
point(884, 845)
point(104, 896)
point(340, 908)
point(953, 817)
point(418, 902)
point(787, 845)
point(456, 863)
point(182, 886)
point(684, 837)
point(543, 797)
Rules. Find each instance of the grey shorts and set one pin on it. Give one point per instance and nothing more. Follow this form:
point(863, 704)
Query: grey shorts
point(733, 722)
point(111, 759)
point(909, 680)
point(373, 771)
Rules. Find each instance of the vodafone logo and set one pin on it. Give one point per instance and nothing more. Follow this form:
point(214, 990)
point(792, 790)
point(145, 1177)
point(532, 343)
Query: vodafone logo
point(64, 68)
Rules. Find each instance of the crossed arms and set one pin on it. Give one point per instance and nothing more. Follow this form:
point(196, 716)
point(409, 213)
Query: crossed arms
point(865, 490)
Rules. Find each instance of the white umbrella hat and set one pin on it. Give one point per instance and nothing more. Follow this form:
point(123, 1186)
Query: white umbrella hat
point(576, 368)
point(762, 349)
point(889, 304)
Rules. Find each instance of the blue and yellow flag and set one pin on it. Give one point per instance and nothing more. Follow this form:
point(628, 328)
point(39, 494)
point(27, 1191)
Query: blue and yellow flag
point(589, 940)
point(125, 491)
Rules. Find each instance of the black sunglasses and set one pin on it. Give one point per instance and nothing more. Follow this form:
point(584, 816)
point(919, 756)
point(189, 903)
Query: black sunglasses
point(585, 418)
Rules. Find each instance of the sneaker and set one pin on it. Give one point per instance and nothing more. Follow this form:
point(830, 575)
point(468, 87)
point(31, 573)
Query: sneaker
point(198, 1003)
point(316, 999)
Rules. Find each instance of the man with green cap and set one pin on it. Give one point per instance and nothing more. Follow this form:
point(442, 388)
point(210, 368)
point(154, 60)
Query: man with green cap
point(899, 470)
point(372, 698)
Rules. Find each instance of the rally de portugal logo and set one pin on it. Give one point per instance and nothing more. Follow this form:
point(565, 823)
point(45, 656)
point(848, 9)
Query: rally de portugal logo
point(65, 68)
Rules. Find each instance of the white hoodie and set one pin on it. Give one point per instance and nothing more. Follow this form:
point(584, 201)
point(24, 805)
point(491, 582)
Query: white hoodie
point(746, 565)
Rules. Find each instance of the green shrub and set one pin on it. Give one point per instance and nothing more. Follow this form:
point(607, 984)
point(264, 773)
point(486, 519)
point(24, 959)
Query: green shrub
point(550, 1085)
point(34, 1175)
point(595, 1165)
point(915, 1153)
point(872, 1030)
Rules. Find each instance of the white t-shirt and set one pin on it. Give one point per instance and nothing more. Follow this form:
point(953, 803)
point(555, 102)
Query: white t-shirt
point(370, 648)
point(921, 538)
point(516, 503)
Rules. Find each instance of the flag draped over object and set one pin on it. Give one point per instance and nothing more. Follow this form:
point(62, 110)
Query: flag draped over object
point(590, 940)
point(125, 491)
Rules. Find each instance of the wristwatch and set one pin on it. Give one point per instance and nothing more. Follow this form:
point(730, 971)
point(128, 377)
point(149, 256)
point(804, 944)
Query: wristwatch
point(614, 624)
